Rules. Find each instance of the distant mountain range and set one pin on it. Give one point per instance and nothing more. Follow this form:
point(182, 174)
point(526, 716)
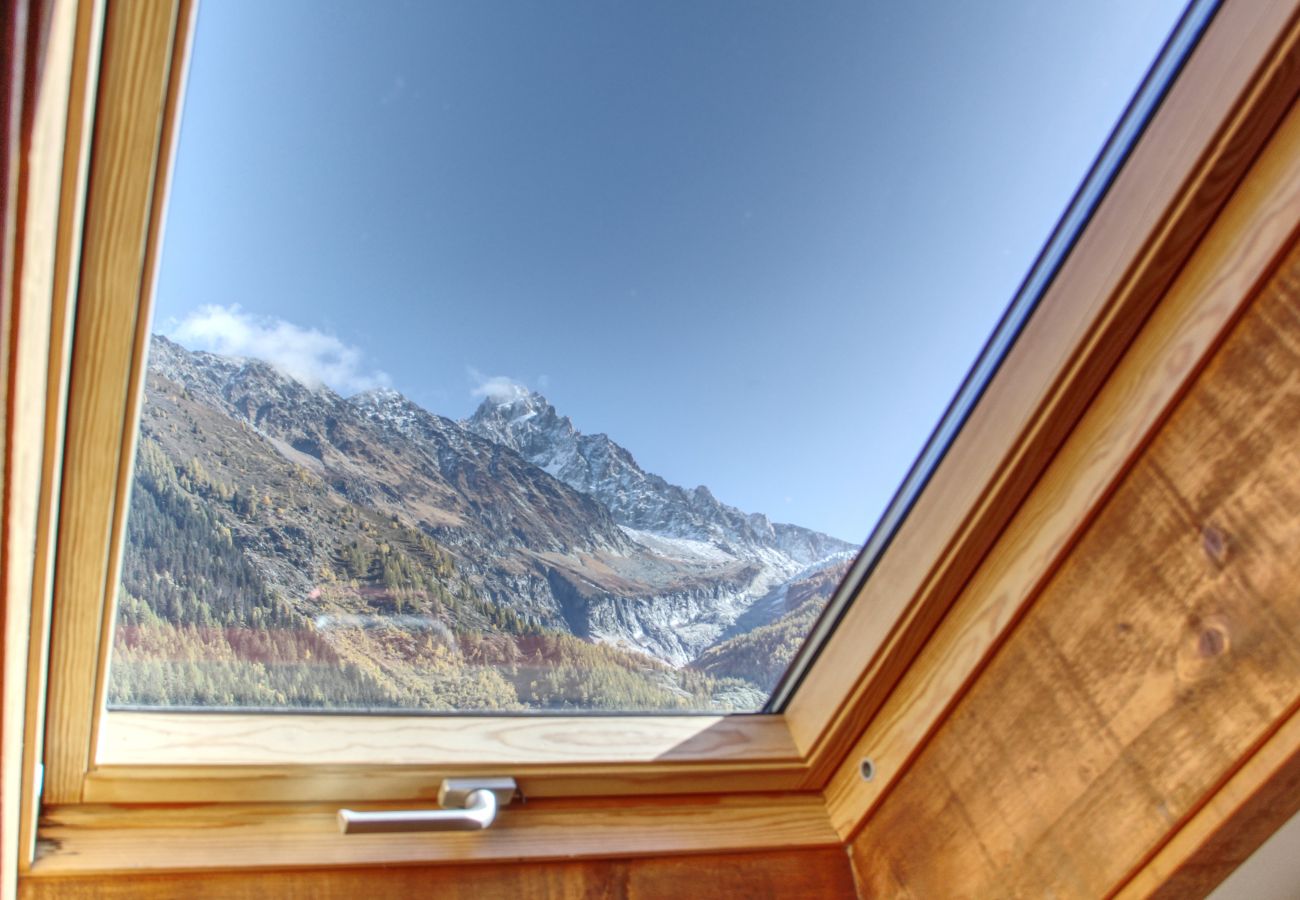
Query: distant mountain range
point(438, 564)
point(600, 468)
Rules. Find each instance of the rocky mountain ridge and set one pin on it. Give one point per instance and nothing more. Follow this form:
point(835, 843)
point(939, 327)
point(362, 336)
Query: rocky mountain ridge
point(597, 466)
point(545, 528)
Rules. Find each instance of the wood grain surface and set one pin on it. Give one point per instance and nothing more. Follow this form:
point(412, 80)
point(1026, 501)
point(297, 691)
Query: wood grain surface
point(1240, 250)
point(795, 874)
point(1224, 105)
point(83, 839)
point(313, 784)
point(83, 80)
point(1251, 805)
point(195, 757)
point(1161, 655)
point(120, 212)
point(206, 739)
point(51, 192)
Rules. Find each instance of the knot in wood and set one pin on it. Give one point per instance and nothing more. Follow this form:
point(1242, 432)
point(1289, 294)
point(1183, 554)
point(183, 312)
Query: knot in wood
point(1208, 640)
point(1212, 642)
point(1215, 544)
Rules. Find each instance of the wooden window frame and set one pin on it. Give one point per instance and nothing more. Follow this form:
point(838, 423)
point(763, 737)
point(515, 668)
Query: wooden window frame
point(597, 785)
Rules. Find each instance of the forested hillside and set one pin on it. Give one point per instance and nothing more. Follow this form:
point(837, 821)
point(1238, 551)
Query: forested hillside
point(290, 548)
point(391, 625)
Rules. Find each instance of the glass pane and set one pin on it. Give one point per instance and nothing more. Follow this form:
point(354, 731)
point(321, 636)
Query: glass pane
point(560, 356)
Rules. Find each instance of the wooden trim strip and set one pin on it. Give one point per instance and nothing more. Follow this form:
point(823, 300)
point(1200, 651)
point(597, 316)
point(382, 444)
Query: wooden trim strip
point(72, 202)
point(800, 874)
point(29, 298)
point(207, 739)
point(1035, 284)
point(1235, 87)
point(169, 130)
point(1242, 248)
point(1160, 655)
point(133, 97)
point(311, 783)
point(193, 757)
point(105, 840)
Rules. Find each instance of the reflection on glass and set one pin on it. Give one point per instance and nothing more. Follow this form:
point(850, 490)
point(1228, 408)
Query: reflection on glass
point(445, 287)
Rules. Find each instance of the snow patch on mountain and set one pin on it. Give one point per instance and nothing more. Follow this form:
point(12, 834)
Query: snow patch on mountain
point(640, 500)
point(564, 528)
point(679, 548)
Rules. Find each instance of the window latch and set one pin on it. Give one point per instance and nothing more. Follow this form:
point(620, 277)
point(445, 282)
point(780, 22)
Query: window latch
point(468, 804)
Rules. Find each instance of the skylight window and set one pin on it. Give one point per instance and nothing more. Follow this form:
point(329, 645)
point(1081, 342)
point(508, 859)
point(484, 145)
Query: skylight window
point(560, 358)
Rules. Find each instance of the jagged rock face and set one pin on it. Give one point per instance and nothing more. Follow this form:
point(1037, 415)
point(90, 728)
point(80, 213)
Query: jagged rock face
point(598, 466)
point(563, 528)
point(761, 642)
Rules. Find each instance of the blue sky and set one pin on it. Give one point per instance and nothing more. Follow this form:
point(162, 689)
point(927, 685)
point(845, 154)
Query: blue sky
point(757, 243)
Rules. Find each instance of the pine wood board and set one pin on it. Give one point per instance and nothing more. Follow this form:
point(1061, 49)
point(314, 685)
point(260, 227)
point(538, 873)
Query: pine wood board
point(213, 739)
point(121, 210)
point(85, 839)
point(1160, 655)
point(81, 90)
point(26, 337)
point(1218, 282)
point(1221, 109)
point(194, 757)
point(1259, 797)
point(310, 783)
point(55, 115)
point(820, 874)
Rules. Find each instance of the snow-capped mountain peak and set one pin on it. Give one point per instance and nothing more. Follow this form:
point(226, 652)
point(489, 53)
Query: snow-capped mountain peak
point(387, 406)
point(562, 528)
point(594, 464)
point(510, 419)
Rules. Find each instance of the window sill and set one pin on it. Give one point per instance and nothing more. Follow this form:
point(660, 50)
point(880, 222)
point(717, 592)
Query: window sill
point(305, 758)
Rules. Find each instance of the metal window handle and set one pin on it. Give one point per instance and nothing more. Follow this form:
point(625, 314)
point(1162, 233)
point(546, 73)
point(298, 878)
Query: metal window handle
point(477, 814)
point(469, 804)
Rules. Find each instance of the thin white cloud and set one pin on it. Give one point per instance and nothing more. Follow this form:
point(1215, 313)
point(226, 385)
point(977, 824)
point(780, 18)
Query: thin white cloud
point(309, 355)
point(497, 388)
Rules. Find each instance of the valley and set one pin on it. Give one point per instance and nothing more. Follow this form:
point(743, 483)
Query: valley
point(290, 547)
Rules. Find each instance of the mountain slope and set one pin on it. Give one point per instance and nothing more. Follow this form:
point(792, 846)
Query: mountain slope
point(251, 579)
point(763, 652)
point(597, 466)
point(441, 565)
